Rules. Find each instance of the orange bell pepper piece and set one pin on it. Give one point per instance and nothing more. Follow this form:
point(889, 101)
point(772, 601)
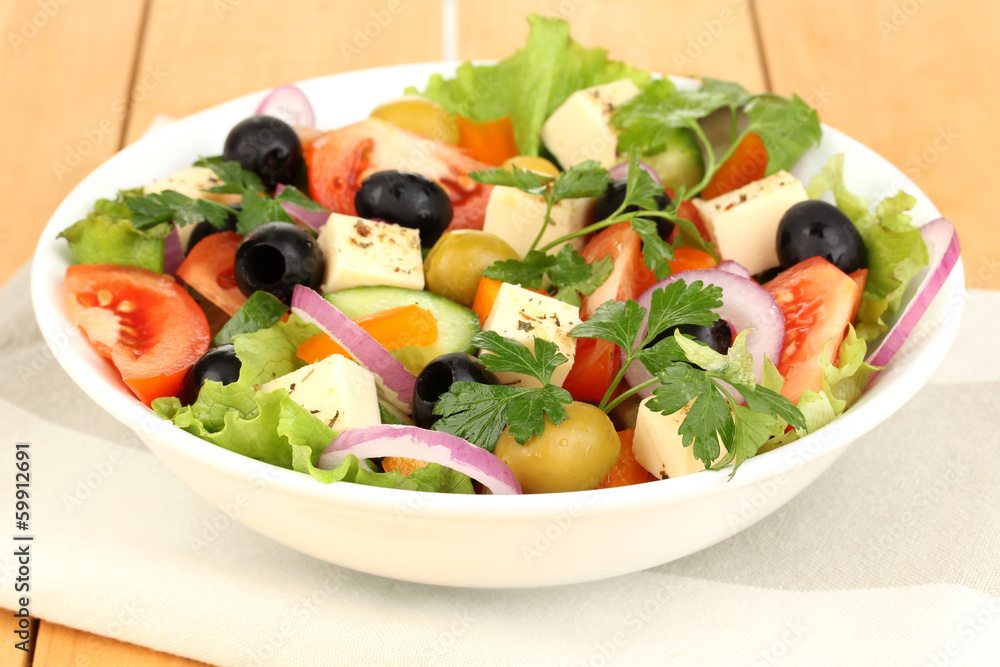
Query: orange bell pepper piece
point(393, 328)
point(747, 164)
point(627, 470)
point(490, 141)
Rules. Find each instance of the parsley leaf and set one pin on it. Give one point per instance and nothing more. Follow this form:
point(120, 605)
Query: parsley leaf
point(753, 429)
point(567, 270)
point(152, 209)
point(587, 179)
point(618, 322)
point(708, 421)
point(531, 182)
point(512, 356)
point(680, 303)
point(235, 179)
point(258, 209)
point(479, 413)
point(788, 128)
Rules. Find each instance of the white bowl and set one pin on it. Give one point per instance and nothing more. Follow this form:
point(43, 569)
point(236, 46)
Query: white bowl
point(476, 541)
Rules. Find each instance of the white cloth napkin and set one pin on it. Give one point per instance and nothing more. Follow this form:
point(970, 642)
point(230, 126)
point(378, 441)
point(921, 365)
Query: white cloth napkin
point(891, 557)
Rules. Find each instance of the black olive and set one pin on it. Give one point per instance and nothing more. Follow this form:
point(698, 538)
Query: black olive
point(814, 228)
point(268, 147)
point(719, 336)
point(615, 195)
point(220, 364)
point(276, 257)
point(406, 199)
point(767, 275)
point(206, 228)
point(438, 376)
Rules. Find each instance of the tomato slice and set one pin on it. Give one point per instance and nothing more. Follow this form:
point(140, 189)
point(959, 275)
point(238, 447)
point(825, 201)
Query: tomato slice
point(747, 164)
point(687, 211)
point(342, 159)
point(208, 269)
point(630, 276)
point(595, 366)
point(144, 322)
point(818, 301)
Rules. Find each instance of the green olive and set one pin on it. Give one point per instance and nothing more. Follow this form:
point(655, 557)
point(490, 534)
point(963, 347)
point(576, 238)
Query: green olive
point(421, 115)
point(455, 264)
point(576, 455)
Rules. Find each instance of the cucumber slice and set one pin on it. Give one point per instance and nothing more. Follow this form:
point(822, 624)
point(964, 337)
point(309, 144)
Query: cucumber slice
point(457, 325)
point(680, 162)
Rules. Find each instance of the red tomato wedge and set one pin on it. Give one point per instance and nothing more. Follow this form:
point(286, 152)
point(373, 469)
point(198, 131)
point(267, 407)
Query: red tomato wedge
point(208, 269)
point(818, 301)
point(144, 322)
point(341, 160)
point(747, 164)
point(594, 368)
point(630, 276)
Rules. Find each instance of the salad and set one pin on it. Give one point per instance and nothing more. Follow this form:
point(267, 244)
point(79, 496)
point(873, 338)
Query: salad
point(554, 273)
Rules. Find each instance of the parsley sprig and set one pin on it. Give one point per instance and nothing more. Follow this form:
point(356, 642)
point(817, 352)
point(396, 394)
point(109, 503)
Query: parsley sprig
point(479, 412)
point(688, 372)
point(257, 208)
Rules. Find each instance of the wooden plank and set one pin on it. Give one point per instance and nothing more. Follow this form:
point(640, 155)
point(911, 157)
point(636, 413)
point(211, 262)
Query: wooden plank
point(710, 37)
point(213, 51)
point(59, 646)
point(62, 112)
point(11, 656)
point(912, 80)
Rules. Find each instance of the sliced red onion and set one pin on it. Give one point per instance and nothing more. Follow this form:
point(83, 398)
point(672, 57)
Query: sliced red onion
point(745, 305)
point(621, 171)
point(314, 220)
point(414, 442)
point(391, 376)
point(734, 268)
point(289, 104)
point(944, 250)
point(173, 251)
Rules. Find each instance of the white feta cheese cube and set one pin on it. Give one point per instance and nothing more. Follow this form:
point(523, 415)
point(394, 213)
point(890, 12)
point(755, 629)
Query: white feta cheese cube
point(658, 446)
point(524, 315)
point(744, 222)
point(580, 129)
point(517, 216)
point(368, 252)
point(336, 389)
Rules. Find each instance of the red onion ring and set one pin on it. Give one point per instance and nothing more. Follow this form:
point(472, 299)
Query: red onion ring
point(289, 104)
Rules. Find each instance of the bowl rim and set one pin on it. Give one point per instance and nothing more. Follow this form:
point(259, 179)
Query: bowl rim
point(877, 404)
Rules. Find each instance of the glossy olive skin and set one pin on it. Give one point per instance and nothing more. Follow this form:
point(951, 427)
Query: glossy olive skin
point(454, 266)
point(406, 199)
point(615, 195)
point(438, 376)
point(267, 146)
point(421, 115)
point(531, 163)
point(576, 455)
point(815, 228)
point(206, 228)
point(220, 364)
point(276, 257)
point(719, 336)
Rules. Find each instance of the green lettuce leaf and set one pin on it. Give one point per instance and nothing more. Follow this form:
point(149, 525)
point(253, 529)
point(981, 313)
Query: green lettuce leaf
point(531, 84)
point(896, 251)
point(108, 236)
point(433, 477)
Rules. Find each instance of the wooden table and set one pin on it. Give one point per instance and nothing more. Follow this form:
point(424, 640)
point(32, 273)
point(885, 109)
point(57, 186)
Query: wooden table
point(79, 80)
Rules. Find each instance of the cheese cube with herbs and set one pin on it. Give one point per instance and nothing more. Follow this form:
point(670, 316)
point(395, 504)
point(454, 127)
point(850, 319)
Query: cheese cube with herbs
point(744, 222)
point(336, 390)
point(659, 448)
point(580, 129)
point(368, 252)
point(516, 217)
point(524, 315)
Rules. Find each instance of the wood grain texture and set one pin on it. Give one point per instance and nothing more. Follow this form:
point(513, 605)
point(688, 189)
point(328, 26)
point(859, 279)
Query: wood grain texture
point(64, 77)
point(59, 646)
point(9, 655)
point(210, 52)
point(913, 80)
point(710, 37)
